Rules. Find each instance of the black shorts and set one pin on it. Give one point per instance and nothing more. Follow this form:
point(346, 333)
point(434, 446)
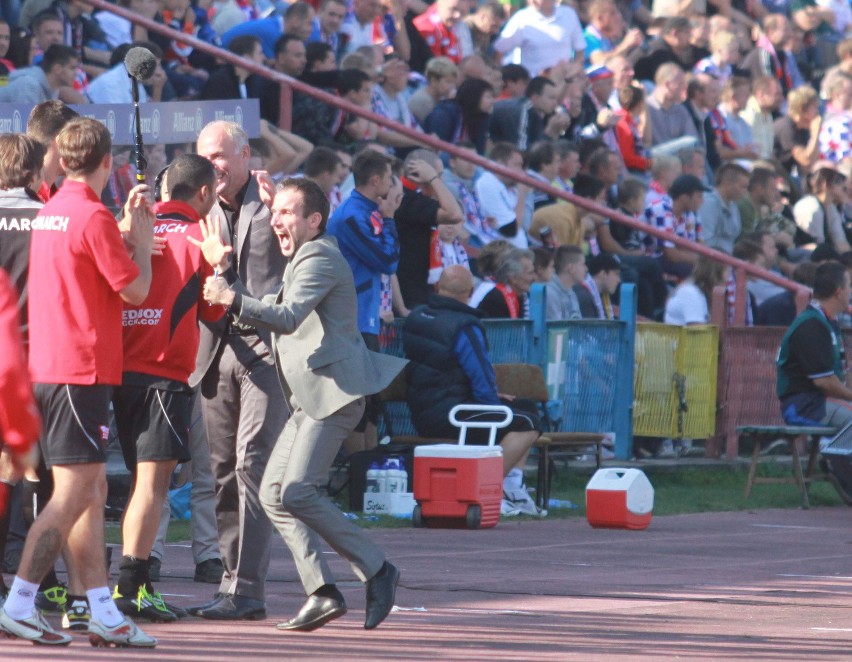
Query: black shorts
point(152, 423)
point(372, 404)
point(76, 422)
point(525, 419)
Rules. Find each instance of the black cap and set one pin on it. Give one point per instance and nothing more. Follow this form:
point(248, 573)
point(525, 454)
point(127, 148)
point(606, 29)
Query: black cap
point(685, 185)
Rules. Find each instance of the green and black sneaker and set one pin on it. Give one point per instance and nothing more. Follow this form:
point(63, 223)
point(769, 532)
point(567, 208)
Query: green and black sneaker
point(52, 599)
point(147, 604)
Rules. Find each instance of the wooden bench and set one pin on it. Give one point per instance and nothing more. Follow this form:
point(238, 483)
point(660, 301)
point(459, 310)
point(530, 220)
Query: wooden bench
point(791, 434)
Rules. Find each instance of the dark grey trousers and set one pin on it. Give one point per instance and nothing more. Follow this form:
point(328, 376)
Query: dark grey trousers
point(244, 413)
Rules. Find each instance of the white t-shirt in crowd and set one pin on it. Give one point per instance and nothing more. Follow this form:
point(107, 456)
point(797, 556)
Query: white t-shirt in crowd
point(499, 201)
point(687, 305)
point(114, 86)
point(809, 214)
point(118, 30)
point(538, 42)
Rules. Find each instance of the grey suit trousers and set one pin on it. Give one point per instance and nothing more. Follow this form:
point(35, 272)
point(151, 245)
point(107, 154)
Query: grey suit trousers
point(291, 496)
point(244, 413)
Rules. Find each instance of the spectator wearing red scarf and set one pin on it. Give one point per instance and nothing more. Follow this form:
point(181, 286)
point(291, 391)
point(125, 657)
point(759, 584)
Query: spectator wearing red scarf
point(436, 24)
point(633, 152)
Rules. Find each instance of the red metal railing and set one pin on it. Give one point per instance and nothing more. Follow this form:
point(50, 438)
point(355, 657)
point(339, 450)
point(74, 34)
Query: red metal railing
point(742, 269)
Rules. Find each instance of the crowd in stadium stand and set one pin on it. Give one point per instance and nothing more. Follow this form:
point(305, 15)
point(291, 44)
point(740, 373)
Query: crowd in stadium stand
point(725, 122)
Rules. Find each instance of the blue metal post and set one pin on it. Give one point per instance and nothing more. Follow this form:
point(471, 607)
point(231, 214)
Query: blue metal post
point(623, 413)
point(538, 315)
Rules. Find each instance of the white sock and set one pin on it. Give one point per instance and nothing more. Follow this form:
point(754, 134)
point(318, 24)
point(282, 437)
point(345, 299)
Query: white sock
point(103, 608)
point(20, 603)
point(514, 479)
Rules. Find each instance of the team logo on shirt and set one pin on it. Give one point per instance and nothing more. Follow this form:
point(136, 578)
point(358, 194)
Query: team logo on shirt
point(163, 228)
point(15, 224)
point(58, 223)
point(136, 316)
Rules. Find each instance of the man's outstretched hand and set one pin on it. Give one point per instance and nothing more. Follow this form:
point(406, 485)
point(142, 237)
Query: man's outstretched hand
point(211, 245)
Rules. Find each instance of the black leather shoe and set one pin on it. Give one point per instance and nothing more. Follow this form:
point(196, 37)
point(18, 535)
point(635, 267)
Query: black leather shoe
point(235, 608)
point(209, 571)
point(193, 611)
point(315, 613)
point(381, 590)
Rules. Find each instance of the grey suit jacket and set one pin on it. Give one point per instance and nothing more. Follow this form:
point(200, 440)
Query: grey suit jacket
point(260, 266)
point(319, 353)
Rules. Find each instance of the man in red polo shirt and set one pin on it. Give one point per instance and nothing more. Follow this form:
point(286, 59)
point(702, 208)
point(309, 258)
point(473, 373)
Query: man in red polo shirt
point(44, 123)
point(153, 406)
point(436, 25)
point(75, 311)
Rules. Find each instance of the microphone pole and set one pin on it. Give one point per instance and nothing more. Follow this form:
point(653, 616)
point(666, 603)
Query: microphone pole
point(141, 162)
point(141, 65)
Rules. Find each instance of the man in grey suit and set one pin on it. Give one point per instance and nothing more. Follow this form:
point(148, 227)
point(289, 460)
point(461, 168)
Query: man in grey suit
point(242, 404)
point(327, 370)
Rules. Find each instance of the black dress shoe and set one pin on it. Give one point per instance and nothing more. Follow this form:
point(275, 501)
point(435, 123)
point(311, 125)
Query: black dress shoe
point(235, 608)
point(381, 590)
point(217, 597)
point(316, 612)
point(209, 571)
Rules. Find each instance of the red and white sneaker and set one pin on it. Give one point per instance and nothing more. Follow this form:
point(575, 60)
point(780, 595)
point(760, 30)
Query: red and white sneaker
point(34, 629)
point(123, 635)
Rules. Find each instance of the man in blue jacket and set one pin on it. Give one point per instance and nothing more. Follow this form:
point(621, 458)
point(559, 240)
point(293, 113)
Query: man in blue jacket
point(367, 237)
point(450, 365)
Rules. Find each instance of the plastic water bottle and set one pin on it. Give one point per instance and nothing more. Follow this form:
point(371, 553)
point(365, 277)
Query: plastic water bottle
point(373, 477)
point(396, 476)
point(402, 476)
point(382, 477)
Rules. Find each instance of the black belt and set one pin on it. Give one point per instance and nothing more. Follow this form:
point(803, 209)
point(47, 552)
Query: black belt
point(240, 330)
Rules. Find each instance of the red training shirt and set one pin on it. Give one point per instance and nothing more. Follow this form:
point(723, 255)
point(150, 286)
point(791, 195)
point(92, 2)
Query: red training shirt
point(161, 335)
point(19, 420)
point(78, 266)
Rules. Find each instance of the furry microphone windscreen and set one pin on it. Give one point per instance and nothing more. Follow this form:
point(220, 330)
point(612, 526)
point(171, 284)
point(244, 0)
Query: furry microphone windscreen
point(140, 63)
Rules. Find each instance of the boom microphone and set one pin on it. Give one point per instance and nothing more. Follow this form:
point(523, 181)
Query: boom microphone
point(141, 65)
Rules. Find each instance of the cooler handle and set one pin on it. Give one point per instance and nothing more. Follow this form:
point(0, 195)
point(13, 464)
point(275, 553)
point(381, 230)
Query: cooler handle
point(492, 425)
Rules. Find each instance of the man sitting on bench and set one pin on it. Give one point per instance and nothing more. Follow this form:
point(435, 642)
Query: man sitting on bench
point(446, 344)
point(812, 360)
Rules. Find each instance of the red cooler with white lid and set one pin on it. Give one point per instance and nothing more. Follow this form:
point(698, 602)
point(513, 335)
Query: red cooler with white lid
point(619, 499)
point(459, 485)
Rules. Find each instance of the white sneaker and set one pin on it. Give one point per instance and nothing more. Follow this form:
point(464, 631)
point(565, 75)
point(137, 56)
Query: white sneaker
point(521, 499)
point(666, 449)
point(34, 629)
point(123, 635)
point(507, 509)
